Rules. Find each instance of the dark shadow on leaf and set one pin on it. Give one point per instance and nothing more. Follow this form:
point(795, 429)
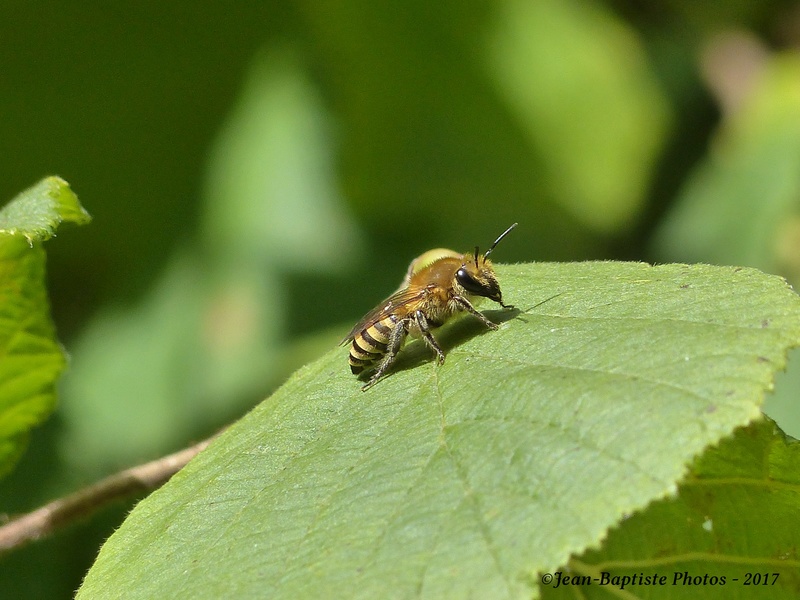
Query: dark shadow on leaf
point(416, 352)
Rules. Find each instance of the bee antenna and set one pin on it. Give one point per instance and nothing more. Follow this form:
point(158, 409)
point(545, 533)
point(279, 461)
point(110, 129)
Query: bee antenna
point(502, 235)
point(476, 255)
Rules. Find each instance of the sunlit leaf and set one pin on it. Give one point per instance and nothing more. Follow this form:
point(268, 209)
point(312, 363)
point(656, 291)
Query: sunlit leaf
point(31, 359)
point(37, 212)
point(740, 206)
point(465, 480)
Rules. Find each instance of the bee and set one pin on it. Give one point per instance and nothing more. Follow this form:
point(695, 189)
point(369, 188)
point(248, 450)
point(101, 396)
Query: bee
point(438, 285)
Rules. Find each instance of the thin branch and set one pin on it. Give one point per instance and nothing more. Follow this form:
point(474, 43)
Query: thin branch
point(84, 503)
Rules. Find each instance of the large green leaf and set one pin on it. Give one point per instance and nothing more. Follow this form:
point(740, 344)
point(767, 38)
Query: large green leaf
point(731, 532)
point(740, 206)
point(463, 481)
point(30, 357)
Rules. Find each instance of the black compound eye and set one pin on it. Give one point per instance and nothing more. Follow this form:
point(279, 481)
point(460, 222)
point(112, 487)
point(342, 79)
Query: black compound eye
point(469, 283)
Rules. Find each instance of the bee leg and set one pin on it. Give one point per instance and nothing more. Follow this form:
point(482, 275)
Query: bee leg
point(467, 306)
point(392, 348)
point(422, 323)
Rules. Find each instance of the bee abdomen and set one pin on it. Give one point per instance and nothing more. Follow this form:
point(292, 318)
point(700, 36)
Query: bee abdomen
point(370, 344)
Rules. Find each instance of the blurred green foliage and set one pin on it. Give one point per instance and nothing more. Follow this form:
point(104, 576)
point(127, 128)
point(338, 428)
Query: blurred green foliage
point(260, 174)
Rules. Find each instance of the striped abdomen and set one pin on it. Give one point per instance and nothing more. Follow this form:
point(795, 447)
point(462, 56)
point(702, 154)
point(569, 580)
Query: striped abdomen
point(370, 343)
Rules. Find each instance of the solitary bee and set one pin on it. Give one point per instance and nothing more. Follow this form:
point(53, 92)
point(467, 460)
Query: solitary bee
point(438, 285)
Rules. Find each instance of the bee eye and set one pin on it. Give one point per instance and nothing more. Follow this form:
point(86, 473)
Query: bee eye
point(469, 283)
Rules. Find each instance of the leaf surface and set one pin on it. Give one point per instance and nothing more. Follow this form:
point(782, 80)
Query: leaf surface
point(465, 480)
point(31, 359)
point(731, 532)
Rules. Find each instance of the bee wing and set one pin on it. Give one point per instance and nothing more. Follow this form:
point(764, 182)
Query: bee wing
point(390, 305)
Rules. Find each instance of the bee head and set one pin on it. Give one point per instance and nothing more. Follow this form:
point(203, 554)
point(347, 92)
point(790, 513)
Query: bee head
point(476, 274)
point(479, 280)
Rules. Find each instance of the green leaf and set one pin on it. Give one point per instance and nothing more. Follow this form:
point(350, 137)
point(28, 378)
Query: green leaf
point(740, 205)
point(734, 515)
point(577, 79)
point(208, 335)
point(136, 365)
point(464, 480)
point(38, 211)
point(30, 357)
point(272, 187)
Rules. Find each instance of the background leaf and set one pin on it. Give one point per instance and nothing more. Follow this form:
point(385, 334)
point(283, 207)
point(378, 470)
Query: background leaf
point(733, 515)
point(206, 341)
point(31, 359)
point(740, 206)
point(465, 480)
point(596, 167)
